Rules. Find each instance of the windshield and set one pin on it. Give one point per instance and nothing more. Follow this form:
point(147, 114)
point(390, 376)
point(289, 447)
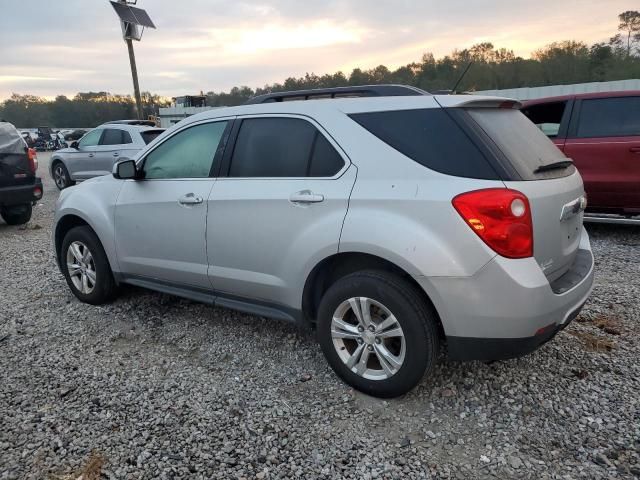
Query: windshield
point(525, 146)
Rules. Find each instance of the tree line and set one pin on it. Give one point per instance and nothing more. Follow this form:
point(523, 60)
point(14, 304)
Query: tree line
point(491, 68)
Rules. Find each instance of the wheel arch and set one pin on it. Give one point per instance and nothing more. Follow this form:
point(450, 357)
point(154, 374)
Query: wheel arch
point(65, 224)
point(336, 266)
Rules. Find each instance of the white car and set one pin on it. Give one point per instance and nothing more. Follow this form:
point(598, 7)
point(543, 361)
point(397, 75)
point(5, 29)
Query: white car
point(97, 151)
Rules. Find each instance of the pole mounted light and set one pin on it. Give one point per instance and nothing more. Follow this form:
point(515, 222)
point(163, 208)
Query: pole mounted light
point(133, 21)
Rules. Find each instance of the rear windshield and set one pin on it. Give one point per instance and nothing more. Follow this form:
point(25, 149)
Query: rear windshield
point(149, 135)
point(431, 138)
point(522, 143)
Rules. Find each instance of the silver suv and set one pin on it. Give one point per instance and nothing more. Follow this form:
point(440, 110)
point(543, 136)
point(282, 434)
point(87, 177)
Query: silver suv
point(394, 224)
point(98, 150)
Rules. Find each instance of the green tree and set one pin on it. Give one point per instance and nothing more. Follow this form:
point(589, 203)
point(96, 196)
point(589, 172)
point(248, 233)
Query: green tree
point(630, 28)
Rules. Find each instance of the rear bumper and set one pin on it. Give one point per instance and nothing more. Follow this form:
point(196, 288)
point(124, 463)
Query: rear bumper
point(490, 349)
point(21, 194)
point(508, 308)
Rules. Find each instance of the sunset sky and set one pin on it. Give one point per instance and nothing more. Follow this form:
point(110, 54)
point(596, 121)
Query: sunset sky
point(62, 47)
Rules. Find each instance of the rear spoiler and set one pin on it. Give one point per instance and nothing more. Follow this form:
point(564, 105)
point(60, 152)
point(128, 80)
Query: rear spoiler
point(476, 101)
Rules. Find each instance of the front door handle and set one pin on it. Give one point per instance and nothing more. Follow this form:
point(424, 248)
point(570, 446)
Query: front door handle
point(634, 149)
point(91, 155)
point(306, 196)
point(190, 199)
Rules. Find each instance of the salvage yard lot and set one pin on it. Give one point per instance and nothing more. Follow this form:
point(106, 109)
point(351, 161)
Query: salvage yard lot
point(153, 386)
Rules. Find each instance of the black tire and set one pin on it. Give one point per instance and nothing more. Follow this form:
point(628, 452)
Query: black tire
point(417, 319)
point(104, 288)
point(17, 214)
point(61, 176)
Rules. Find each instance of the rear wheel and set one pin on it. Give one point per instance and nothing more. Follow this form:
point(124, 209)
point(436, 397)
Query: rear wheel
point(17, 214)
point(61, 176)
point(86, 267)
point(377, 333)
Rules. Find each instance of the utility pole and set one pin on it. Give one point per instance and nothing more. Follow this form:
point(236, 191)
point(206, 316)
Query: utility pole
point(133, 20)
point(134, 74)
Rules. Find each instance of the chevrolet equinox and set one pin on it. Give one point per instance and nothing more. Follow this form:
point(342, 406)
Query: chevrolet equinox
point(393, 223)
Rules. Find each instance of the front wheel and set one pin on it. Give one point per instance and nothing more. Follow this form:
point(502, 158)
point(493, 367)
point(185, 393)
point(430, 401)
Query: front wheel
point(85, 266)
point(377, 333)
point(17, 214)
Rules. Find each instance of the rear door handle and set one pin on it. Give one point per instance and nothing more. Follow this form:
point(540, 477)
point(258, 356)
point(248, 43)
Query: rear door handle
point(306, 196)
point(116, 154)
point(190, 199)
point(634, 149)
point(91, 155)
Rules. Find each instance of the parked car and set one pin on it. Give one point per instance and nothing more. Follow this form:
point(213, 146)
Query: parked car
point(392, 224)
point(74, 135)
point(20, 189)
point(600, 132)
point(97, 151)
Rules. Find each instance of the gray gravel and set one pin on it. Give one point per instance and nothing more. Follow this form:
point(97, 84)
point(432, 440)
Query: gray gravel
point(153, 386)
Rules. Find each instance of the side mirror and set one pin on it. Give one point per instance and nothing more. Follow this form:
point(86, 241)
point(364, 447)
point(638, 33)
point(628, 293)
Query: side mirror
point(125, 169)
point(74, 145)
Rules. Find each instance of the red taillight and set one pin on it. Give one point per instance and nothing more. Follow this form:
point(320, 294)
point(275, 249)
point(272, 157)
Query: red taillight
point(501, 218)
point(33, 160)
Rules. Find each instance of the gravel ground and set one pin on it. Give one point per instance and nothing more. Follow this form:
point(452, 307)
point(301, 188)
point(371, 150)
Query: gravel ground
point(153, 386)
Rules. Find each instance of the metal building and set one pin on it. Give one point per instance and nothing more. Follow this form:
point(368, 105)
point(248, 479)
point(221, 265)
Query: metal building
point(530, 93)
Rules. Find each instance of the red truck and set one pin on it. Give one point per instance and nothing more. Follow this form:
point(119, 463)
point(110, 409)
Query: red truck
point(600, 132)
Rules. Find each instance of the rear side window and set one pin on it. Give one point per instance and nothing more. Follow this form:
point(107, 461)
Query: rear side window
point(525, 147)
point(609, 117)
point(113, 136)
point(282, 147)
point(325, 161)
point(431, 138)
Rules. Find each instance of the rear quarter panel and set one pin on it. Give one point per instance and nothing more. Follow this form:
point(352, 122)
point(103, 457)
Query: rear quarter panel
point(402, 211)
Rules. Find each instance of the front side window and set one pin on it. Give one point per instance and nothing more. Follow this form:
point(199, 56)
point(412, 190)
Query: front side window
point(91, 139)
point(609, 117)
point(279, 147)
point(187, 154)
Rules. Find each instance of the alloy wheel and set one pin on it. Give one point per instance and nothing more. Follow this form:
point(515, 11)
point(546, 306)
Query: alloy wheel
point(81, 267)
point(368, 338)
point(59, 176)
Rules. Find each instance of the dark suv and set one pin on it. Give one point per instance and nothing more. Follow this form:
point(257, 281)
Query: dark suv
point(19, 186)
point(601, 133)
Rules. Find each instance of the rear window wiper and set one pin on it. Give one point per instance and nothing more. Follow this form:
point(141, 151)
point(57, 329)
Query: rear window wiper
point(553, 166)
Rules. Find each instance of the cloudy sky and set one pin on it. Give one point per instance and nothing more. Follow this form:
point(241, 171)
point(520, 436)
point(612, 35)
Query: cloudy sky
point(52, 47)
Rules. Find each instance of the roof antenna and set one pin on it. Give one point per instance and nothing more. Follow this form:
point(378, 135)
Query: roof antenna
point(453, 90)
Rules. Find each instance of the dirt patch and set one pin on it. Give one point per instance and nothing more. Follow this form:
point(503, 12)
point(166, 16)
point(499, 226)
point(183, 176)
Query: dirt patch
point(92, 470)
point(594, 343)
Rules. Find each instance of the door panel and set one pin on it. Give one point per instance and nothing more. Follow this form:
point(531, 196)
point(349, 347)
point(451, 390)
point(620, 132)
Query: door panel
point(104, 159)
point(605, 134)
point(610, 169)
point(264, 234)
point(81, 163)
point(160, 230)
point(161, 220)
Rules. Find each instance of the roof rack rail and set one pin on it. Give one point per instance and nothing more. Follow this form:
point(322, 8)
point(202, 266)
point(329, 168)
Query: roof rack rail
point(148, 123)
point(338, 92)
